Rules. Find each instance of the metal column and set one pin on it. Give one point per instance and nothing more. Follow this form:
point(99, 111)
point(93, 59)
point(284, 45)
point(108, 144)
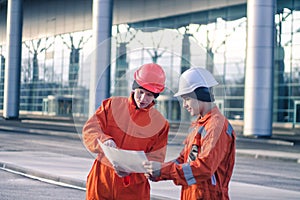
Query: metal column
point(258, 102)
point(100, 67)
point(13, 59)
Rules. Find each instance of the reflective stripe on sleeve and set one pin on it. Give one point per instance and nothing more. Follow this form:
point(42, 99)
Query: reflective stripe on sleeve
point(175, 161)
point(202, 131)
point(188, 174)
point(229, 129)
point(213, 180)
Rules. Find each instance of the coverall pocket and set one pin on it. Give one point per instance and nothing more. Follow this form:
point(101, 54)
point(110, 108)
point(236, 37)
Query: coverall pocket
point(199, 194)
point(215, 194)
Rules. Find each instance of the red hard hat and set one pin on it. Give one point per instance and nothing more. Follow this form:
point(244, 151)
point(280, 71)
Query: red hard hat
point(151, 76)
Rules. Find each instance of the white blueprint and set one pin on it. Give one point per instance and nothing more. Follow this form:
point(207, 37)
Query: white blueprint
point(130, 161)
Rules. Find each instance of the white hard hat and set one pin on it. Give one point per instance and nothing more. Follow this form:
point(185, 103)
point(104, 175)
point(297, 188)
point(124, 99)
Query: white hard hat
point(193, 78)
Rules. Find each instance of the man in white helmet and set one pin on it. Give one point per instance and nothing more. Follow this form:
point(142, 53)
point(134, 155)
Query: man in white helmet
point(205, 165)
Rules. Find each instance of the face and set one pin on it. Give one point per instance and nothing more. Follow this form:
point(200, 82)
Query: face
point(193, 106)
point(143, 98)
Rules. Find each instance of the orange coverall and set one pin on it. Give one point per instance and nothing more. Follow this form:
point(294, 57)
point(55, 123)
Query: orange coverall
point(131, 128)
point(205, 175)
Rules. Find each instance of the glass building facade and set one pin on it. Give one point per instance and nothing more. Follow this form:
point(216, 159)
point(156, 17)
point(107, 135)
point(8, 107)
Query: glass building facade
point(55, 67)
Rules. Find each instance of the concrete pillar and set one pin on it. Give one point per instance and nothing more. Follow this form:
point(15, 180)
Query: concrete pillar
point(185, 65)
point(258, 104)
point(100, 66)
point(13, 59)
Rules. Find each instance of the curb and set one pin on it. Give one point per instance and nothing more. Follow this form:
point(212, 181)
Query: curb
point(44, 177)
point(41, 132)
point(268, 155)
point(265, 141)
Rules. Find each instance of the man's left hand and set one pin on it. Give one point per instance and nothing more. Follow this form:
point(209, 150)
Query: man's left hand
point(152, 169)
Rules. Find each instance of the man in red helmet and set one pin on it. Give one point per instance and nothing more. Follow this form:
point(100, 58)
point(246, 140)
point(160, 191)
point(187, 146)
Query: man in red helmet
point(130, 124)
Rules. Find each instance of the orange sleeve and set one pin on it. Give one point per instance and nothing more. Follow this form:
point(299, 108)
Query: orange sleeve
point(159, 147)
point(93, 128)
point(173, 171)
point(180, 158)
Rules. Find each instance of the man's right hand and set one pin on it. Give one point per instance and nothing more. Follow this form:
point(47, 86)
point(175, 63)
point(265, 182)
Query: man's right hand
point(110, 143)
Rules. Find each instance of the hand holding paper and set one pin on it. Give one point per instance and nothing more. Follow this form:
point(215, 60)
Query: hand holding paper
point(129, 161)
point(110, 143)
point(153, 168)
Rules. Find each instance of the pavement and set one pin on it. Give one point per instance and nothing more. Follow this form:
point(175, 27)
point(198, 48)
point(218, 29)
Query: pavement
point(71, 171)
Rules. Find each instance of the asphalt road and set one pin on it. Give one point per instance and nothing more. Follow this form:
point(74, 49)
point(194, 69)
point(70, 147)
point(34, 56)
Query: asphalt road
point(269, 173)
point(13, 186)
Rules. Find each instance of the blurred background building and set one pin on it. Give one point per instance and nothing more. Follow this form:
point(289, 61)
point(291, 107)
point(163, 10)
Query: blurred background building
point(57, 49)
